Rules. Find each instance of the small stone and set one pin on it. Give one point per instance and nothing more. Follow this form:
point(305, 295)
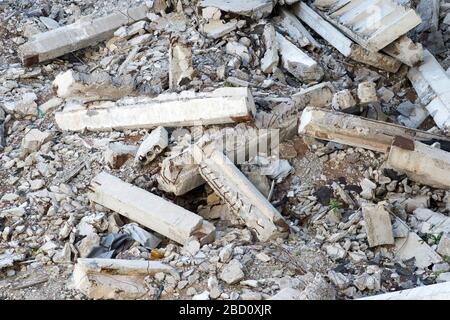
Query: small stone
point(232, 272)
point(87, 244)
point(343, 100)
point(36, 184)
point(367, 92)
point(335, 251)
point(443, 277)
point(226, 253)
point(263, 257)
point(202, 296)
point(444, 245)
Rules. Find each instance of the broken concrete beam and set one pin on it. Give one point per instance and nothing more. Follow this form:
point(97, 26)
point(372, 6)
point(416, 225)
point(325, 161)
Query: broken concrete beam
point(84, 33)
point(433, 88)
point(178, 180)
point(181, 71)
point(91, 87)
point(154, 212)
point(271, 59)
point(295, 29)
point(241, 195)
point(221, 106)
point(116, 278)
point(367, 92)
point(439, 291)
point(179, 173)
point(152, 146)
point(413, 246)
point(356, 131)
point(405, 50)
point(319, 95)
point(343, 44)
point(373, 28)
point(298, 63)
point(422, 163)
point(378, 225)
point(118, 153)
point(255, 9)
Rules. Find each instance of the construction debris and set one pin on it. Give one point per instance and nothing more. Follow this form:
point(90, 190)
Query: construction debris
point(412, 246)
point(255, 9)
point(57, 42)
point(357, 131)
point(240, 194)
point(180, 61)
point(152, 146)
point(117, 154)
point(343, 44)
point(378, 225)
point(372, 29)
point(298, 63)
point(270, 60)
point(432, 85)
point(226, 105)
point(115, 278)
point(422, 163)
point(92, 87)
point(149, 210)
point(224, 150)
point(367, 93)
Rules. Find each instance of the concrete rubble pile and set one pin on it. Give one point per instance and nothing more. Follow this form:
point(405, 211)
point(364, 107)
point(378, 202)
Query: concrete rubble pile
point(225, 150)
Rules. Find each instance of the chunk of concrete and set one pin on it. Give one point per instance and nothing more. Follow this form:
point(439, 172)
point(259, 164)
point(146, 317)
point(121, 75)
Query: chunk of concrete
point(221, 106)
point(91, 87)
point(343, 44)
point(255, 9)
point(216, 29)
point(343, 100)
point(378, 225)
point(152, 146)
point(232, 272)
point(422, 163)
point(33, 140)
point(367, 92)
point(181, 71)
point(116, 278)
point(148, 209)
point(433, 88)
point(289, 23)
point(414, 247)
point(356, 131)
point(81, 34)
point(372, 28)
point(405, 50)
point(444, 245)
point(118, 153)
point(271, 59)
point(297, 62)
point(242, 197)
point(319, 95)
point(437, 222)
